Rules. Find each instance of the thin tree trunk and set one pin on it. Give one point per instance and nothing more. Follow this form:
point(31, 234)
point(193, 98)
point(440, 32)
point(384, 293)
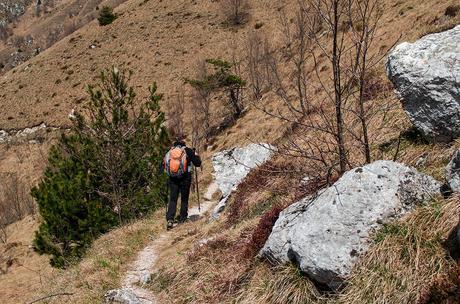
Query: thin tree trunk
point(338, 92)
point(362, 112)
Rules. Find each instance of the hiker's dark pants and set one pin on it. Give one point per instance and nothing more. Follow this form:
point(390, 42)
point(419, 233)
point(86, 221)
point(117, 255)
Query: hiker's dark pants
point(176, 187)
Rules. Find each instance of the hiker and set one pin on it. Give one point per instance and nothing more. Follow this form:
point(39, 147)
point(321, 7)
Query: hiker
point(178, 165)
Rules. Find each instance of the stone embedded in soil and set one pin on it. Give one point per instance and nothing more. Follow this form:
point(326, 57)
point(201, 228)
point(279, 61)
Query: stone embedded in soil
point(325, 234)
point(121, 296)
point(232, 166)
point(426, 77)
point(453, 172)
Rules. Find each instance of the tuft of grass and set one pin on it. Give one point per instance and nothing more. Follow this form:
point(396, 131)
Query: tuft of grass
point(392, 229)
point(258, 25)
point(279, 285)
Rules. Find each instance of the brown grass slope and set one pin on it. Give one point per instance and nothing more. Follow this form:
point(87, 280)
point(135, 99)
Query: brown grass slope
point(158, 40)
point(161, 41)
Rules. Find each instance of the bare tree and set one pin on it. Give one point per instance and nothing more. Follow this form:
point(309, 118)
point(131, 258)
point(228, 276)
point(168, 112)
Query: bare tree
point(175, 114)
point(5, 32)
point(15, 202)
point(201, 103)
point(259, 73)
point(326, 52)
point(235, 11)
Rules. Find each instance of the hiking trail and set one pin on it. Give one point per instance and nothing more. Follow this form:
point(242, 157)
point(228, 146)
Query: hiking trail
point(140, 269)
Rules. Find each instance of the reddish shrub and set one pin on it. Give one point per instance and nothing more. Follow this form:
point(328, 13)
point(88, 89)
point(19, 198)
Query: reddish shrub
point(312, 186)
point(262, 231)
point(375, 87)
point(257, 179)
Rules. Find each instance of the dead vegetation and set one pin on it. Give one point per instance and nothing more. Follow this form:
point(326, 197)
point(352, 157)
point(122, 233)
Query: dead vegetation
point(15, 202)
point(46, 23)
point(218, 270)
point(417, 258)
point(236, 12)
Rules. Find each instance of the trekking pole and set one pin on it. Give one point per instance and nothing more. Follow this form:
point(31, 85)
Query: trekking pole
point(197, 190)
point(196, 186)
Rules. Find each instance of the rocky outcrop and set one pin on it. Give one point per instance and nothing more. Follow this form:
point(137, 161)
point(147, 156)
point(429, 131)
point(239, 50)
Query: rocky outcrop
point(232, 166)
point(425, 75)
point(121, 296)
point(453, 172)
point(326, 233)
point(10, 10)
point(28, 134)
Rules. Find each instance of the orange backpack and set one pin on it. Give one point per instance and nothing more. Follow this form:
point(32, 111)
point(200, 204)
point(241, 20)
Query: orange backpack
point(176, 162)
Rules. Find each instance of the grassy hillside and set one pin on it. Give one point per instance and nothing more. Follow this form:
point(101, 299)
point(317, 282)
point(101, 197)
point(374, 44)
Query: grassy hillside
point(163, 41)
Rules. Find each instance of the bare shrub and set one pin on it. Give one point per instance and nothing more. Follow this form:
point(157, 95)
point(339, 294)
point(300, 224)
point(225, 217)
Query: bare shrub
point(53, 36)
point(257, 49)
point(262, 231)
point(236, 12)
point(452, 10)
point(69, 27)
point(5, 32)
point(325, 54)
point(175, 115)
point(15, 202)
point(201, 105)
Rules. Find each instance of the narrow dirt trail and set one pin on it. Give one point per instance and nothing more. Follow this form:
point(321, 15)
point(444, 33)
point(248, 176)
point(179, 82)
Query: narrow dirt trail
point(140, 270)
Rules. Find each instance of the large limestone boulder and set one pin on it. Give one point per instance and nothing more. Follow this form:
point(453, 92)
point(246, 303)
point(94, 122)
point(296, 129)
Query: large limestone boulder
point(453, 172)
point(325, 234)
point(426, 77)
point(232, 166)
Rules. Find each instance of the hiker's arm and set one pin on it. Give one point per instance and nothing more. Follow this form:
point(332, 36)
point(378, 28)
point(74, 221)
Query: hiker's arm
point(161, 167)
point(194, 158)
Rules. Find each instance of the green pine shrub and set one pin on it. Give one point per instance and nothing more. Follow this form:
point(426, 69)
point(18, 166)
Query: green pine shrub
point(106, 16)
point(105, 172)
point(223, 80)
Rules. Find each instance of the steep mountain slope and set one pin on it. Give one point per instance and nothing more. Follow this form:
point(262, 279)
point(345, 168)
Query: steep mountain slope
point(29, 27)
point(159, 40)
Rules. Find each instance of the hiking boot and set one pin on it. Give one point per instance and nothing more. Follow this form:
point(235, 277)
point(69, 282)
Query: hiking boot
point(182, 221)
point(170, 225)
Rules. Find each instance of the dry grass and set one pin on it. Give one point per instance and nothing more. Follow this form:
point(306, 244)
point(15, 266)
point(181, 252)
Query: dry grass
point(175, 34)
point(202, 267)
point(101, 269)
point(406, 257)
point(429, 158)
point(405, 260)
point(284, 284)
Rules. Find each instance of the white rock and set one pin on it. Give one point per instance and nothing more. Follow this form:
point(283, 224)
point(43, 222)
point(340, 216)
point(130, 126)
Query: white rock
point(232, 166)
point(325, 234)
point(32, 130)
point(452, 172)
point(3, 136)
point(426, 77)
point(219, 208)
point(121, 296)
point(145, 278)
